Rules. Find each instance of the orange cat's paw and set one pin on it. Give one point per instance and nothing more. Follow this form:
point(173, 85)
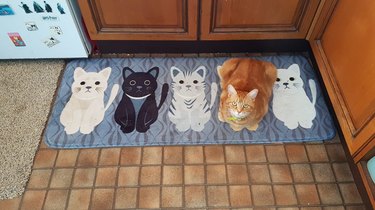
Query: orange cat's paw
point(220, 117)
point(252, 127)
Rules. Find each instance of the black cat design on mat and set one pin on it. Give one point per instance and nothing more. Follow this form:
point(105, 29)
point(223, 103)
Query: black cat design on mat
point(137, 108)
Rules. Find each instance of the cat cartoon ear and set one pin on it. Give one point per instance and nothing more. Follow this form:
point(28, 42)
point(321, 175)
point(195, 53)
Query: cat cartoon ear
point(175, 71)
point(201, 71)
point(154, 71)
point(252, 94)
point(106, 72)
point(78, 72)
point(126, 71)
point(231, 90)
point(294, 68)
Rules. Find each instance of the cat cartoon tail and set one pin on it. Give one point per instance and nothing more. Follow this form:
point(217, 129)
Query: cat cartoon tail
point(213, 93)
point(313, 90)
point(112, 97)
point(164, 93)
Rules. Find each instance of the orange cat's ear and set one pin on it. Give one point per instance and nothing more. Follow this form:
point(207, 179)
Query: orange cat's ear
point(231, 90)
point(252, 94)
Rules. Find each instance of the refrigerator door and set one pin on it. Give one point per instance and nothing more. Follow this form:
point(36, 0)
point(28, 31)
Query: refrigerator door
point(41, 29)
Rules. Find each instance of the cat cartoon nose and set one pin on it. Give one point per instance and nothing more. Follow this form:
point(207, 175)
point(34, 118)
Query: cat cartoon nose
point(188, 86)
point(139, 87)
point(285, 83)
point(88, 87)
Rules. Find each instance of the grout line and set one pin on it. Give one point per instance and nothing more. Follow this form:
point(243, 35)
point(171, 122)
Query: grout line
point(183, 177)
point(291, 174)
point(161, 184)
point(205, 175)
point(140, 166)
point(94, 181)
point(248, 176)
point(50, 179)
point(116, 181)
point(313, 175)
point(226, 175)
point(269, 173)
point(71, 181)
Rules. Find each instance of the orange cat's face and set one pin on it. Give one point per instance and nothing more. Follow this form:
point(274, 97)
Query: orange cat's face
point(240, 104)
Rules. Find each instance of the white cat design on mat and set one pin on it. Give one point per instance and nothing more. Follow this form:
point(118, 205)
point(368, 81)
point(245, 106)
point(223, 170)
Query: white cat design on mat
point(85, 108)
point(290, 103)
point(189, 108)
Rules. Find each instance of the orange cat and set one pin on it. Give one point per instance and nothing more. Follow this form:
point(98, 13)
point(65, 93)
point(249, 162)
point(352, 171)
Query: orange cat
point(246, 90)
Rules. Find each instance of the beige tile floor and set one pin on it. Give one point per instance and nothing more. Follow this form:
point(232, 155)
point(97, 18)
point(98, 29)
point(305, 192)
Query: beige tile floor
point(271, 176)
point(305, 176)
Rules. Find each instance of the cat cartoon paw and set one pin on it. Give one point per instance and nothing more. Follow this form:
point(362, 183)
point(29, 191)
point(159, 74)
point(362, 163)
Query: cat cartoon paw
point(86, 129)
point(71, 129)
point(291, 125)
point(182, 127)
point(306, 124)
point(127, 129)
point(197, 127)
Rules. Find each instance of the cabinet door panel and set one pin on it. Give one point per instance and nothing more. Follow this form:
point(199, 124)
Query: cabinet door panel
point(140, 19)
point(256, 19)
point(344, 48)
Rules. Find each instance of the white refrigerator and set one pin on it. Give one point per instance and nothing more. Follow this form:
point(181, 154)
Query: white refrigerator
point(31, 29)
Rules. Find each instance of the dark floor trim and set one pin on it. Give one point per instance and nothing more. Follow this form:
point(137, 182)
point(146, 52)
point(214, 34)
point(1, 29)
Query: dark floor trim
point(249, 46)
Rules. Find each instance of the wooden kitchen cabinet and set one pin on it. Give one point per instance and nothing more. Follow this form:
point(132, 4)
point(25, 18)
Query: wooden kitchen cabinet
point(140, 19)
point(180, 19)
point(343, 45)
point(256, 19)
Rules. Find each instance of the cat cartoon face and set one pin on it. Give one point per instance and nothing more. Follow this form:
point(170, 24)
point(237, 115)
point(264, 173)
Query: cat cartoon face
point(139, 84)
point(188, 84)
point(288, 80)
point(89, 85)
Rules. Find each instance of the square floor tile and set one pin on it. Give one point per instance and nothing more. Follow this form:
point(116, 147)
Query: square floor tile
point(171, 197)
point(259, 174)
point(152, 155)
point(217, 196)
point(79, 199)
point(296, 153)
point(84, 177)
point(262, 195)
point(61, 178)
point(172, 175)
point(150, 175)
point(88, 157)
point(172, 155)
point(39, 178)
point(329, 194)
point(342, 172)
point(56, 199)
point(214, 154)
point(234, 154)
point(240, 195)
point(130, 156)
point(276, 154)
point(302, 173)
point(193, 154)
point(285, 195)
point(10, 204)
point(255, 153)
point(195, 196)
point(106, 177)
point(126, 198)
point(323, 172)
point(336, 152)
point(237, 174)
point(194, 174)
point(350, 193)
point(216, 174)
point(109, 156)
point(45, 158)
point(33, 199)
point(102, 199)
point(307, 194)
point(280, 173)
point(67, 158)
point(149, 197)
point(317, 152)
point(128, 176)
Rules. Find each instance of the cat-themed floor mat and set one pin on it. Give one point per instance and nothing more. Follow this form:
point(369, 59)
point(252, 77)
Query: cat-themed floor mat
point(175, 101)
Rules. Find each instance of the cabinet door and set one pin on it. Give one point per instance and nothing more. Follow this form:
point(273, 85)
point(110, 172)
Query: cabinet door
point(140, 19)
point(256, 19)
point(344, 47)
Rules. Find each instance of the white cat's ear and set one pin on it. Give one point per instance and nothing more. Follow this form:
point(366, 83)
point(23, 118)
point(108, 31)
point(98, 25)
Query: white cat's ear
point(294, 68)
point(106, 72)
point(175, 71)
point(231, 90)
point(78, 72)
point(201, 71)
point(252, 94)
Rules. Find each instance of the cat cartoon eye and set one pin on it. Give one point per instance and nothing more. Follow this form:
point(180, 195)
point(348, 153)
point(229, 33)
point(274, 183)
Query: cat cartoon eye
point(132, 82)
point(277, 79)
point(291, 78)
point(181, 81)
point(97, 83)
point(82, 83)
point(147, 82)
point(195, 81)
